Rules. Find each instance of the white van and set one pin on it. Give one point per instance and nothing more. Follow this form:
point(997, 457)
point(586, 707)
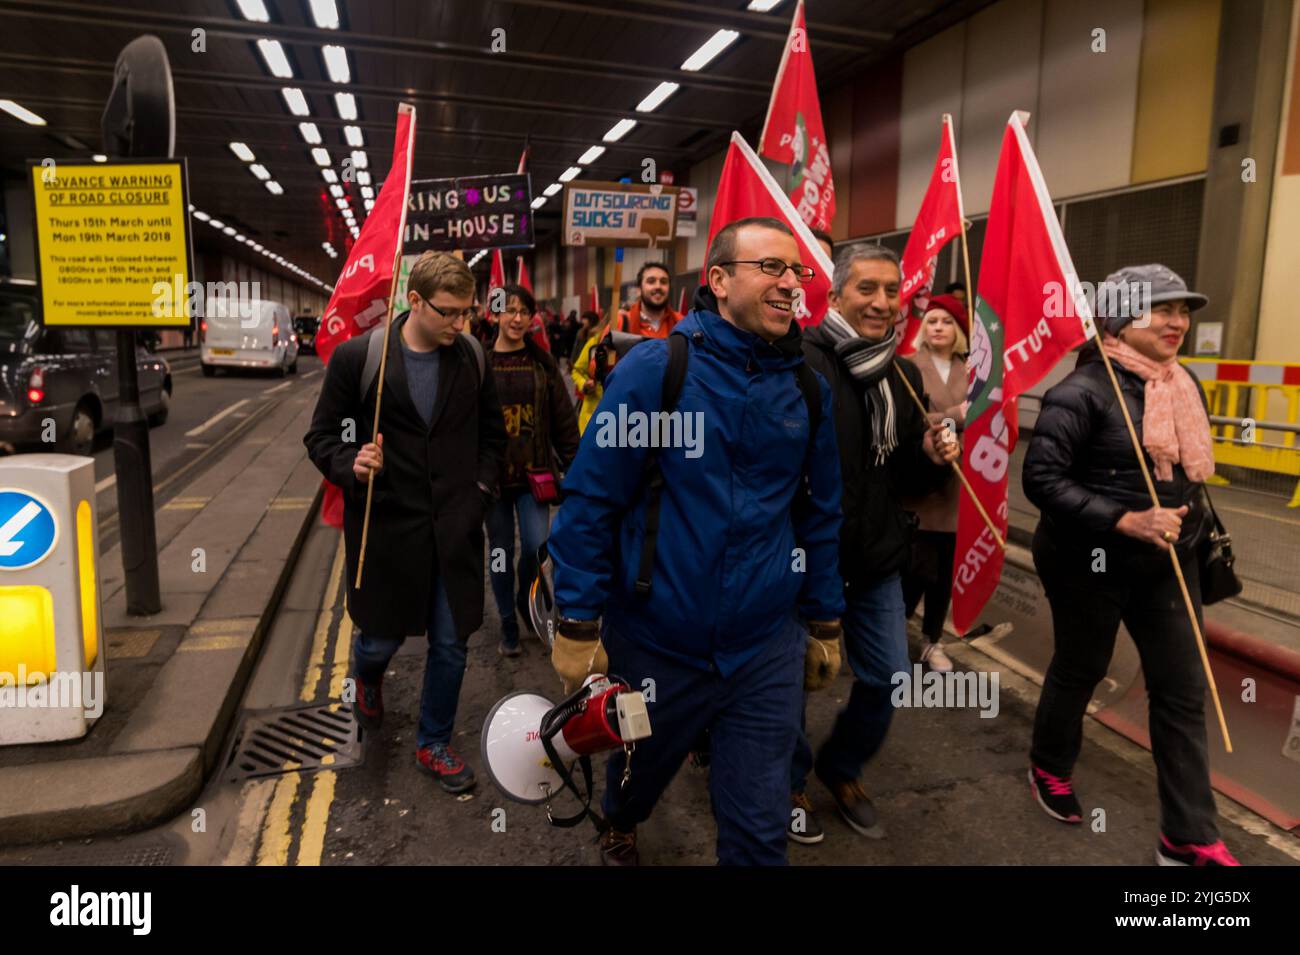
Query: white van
point(248, 334)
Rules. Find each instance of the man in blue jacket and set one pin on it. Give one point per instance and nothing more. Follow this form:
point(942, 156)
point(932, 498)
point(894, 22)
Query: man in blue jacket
point(744, 593)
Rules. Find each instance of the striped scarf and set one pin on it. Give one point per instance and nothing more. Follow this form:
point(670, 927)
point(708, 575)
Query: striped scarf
point(868, 362)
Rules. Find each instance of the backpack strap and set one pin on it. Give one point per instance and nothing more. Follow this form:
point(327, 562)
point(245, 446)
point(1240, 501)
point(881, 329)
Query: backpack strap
point(374, 352)
point(674, 378)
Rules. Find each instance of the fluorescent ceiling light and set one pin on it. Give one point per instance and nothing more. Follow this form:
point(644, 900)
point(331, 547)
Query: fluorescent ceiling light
point(239, 237)
point(341, 203)
point(764, 6)
point(363, 178)
point(329, 175)
point(570, 173)
point(325, 13)
point(354, 136)
point(619, 130)
point(260, 171)
point(360, 160)
point(539, 202)
point(552, 189)
point(346, 104)
point(274, 188)
point(20, 112)
point(591, 155)
point(711, 48)
point(229, 230)
point(242, 151)
point(201, 215)
point(321, 155)
point(325, 246)
point(310, 134)
point(99, 157)
point(256, 246)
point(336, 191)
point(254, 10)
point(216, 223)
point(336, 63)
point(370, 204)
point(367, 192)
point(276, 61)
point(296, 102)
point(657, 96)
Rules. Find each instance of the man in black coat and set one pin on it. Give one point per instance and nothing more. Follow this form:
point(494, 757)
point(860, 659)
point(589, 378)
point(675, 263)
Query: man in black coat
point(887, 449)
point(435, 464)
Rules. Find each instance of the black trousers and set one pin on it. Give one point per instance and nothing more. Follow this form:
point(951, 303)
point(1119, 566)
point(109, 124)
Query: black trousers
point(930, 576)
point(1087, 608)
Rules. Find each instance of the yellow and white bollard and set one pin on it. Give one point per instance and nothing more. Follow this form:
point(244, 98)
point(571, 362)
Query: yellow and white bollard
point(51, 630)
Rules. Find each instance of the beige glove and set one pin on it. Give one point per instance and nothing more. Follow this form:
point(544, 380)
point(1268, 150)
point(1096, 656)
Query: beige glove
point(821, 664)
point(577, 652)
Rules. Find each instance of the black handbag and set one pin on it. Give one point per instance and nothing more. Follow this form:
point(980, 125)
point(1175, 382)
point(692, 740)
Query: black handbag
point(1218, 580)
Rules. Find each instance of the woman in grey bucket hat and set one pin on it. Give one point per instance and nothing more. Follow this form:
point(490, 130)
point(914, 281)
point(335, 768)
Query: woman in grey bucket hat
point(1100, 550)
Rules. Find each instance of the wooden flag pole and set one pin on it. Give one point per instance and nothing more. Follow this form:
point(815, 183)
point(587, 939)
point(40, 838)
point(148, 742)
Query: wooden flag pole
point(1173, 553)
point(956, 468)
point(388, 323)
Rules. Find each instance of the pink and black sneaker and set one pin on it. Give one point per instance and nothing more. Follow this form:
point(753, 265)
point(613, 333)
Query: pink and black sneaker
point(1056, 795)
point(1214, 854)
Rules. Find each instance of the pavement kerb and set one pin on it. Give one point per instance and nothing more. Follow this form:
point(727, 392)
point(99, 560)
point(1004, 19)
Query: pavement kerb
point(137, 786)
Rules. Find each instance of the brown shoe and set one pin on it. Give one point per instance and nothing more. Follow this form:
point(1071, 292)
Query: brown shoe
point(618, 848)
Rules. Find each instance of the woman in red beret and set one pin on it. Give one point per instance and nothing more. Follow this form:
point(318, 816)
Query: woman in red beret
point(941, 347)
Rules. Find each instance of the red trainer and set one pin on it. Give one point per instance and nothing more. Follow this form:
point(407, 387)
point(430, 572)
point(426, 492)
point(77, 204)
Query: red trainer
point(368, 707)
point(445, 764)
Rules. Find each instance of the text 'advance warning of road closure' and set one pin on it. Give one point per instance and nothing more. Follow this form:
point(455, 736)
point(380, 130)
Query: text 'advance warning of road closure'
point(107, 234)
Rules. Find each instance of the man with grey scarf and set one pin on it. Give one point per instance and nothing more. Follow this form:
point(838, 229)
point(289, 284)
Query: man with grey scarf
point(887, 449)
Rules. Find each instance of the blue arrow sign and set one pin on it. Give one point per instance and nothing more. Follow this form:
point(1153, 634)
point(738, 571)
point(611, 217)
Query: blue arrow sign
point(28, 530)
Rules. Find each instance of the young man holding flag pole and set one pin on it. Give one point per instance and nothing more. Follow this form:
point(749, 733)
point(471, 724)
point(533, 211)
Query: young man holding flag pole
point(429, 475)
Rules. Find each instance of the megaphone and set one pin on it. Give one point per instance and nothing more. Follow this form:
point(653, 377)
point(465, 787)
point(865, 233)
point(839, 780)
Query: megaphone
point(612, 347)
point(541, 599)
point(529, 746)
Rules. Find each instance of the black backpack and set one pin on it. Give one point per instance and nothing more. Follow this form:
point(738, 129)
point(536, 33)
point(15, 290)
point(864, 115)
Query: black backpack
point(674, 379)
point(375, 350)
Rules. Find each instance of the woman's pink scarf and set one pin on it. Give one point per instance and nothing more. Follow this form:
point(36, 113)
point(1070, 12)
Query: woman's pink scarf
point(1175, 429)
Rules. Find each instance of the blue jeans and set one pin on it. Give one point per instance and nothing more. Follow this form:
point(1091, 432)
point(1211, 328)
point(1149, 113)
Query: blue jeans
point(444, 668)
point(875, 639)
point(534, 525)
point(751, 718)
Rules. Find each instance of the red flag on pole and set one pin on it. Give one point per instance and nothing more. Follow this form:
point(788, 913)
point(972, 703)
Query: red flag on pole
point(595, 300)
point(522, 274)
point(360, 297)
point(746, 189)
point(938, 222)
point(793, 131)
point(1029, 312)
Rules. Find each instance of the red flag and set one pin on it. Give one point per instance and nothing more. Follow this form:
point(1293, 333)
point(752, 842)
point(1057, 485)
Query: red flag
point(595, 300)
point(360, 297)
point(746, 189)
point(522, 274)
point(1030, 311)
point(681, 302)
point(496, 276)
point(793, 132)
point(938, 222)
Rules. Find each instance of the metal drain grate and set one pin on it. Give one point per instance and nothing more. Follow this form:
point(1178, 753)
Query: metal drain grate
point(295, 738)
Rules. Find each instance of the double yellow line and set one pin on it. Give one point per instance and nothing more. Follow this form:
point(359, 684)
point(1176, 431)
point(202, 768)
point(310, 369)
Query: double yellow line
point(276, 841)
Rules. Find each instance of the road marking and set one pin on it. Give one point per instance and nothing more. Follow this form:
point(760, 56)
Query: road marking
point(215, 418)
point(271, 391)
point(105, 483)
point(226, 625)
point(309, 377)
point(182, 505)
point(274, 848)
point(254, 800)
point(342, 647)
point(316, 817)
point(1277, 519)
point(214, 642)
point(316, 659)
